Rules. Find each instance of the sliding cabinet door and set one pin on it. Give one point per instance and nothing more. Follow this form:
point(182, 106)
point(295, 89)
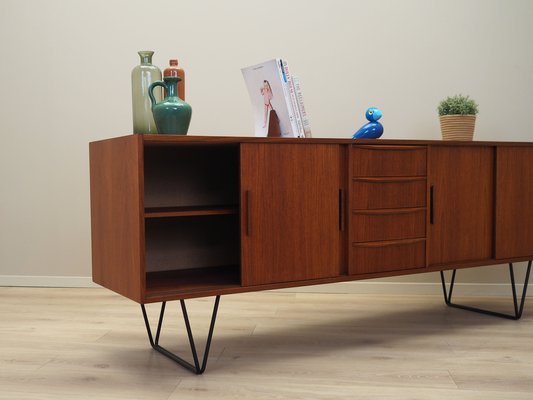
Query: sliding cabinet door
point(290, 212)
point(461, 204)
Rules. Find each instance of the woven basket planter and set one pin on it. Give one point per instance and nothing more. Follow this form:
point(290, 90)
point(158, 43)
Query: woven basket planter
point(457, 127)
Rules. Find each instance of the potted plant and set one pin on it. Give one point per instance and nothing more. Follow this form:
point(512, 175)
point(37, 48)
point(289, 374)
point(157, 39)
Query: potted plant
point(457, 117)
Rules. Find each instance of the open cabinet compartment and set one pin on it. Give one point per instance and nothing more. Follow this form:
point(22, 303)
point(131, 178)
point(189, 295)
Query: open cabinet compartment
point(192, 233)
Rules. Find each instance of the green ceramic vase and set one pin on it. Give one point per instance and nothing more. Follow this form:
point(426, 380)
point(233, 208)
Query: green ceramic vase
point(141, 77)
point(172, 115)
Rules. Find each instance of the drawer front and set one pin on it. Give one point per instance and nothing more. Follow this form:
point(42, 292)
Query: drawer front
point(373, 225)
point(375, 193)
point(387, 256)
point(370, 160)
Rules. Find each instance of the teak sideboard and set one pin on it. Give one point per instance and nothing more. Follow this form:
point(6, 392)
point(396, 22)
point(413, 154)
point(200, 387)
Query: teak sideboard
point(178, 217)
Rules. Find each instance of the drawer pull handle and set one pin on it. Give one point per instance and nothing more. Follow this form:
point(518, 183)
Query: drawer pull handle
point(431, 212)
point(389, 243)
point(389, 148)
point(341, 210)
point(385, 211)
point(248, 214)
point(401, 179)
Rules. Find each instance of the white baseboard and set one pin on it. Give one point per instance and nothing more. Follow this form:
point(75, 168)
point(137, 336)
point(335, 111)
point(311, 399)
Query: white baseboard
point(392, 288)
point(410, 288)
point(47, 281)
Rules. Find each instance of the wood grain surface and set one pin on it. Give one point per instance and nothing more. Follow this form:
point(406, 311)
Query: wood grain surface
point(403, 223)
point(463, 204)
point(384, 256)
point(381, 160)
point(290, 221)
point(379, 193)
point(514, 202)
point(117, 215)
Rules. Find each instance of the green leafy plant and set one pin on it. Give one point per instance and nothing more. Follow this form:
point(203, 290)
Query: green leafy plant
point(458, 105)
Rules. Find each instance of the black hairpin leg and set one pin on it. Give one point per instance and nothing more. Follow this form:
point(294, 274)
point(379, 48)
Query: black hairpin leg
point(196, 368)
point(517, 309)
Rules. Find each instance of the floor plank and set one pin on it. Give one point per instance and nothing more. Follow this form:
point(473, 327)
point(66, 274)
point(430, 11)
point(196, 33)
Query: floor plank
point(92, 343)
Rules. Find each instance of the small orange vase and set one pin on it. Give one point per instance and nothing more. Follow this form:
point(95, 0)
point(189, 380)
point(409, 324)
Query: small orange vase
point(173, 71)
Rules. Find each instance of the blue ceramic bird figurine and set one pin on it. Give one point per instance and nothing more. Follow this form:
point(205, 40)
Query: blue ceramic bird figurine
point(373, 129)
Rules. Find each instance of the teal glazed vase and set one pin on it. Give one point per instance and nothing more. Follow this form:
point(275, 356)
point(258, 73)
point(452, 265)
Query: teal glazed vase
point(172, 115)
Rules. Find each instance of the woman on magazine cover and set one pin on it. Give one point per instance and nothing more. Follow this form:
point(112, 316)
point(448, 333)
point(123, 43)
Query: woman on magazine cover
point(266, 91)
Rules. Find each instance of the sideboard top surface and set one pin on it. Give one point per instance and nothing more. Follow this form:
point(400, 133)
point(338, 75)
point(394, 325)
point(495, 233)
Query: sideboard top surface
point(156, 139)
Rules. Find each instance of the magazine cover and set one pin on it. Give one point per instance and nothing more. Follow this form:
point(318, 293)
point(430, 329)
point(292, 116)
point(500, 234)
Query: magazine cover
point(268, 92)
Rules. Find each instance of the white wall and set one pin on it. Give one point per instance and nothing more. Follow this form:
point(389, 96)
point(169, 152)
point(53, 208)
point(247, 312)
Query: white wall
point(65, 78)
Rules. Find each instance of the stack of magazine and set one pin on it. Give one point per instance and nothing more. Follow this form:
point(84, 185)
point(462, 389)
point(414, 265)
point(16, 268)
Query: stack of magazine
point(277, 100)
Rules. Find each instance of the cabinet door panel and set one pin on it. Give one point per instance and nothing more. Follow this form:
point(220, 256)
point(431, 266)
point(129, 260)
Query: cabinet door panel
point(514, 191)
point(290, 212)
point(463, 187)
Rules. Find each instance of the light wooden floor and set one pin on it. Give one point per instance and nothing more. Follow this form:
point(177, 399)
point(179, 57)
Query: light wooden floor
point(91, 344)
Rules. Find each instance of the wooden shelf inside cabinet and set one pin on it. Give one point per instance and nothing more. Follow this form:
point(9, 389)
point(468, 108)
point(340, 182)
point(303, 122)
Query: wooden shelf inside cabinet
point(162, 212)
point(162, 283)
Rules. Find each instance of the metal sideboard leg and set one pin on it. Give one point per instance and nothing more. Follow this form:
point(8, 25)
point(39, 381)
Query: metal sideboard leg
point(518, 309)
point(196, 367)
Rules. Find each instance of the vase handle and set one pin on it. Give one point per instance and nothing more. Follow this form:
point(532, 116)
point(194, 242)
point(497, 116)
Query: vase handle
point(151, 90)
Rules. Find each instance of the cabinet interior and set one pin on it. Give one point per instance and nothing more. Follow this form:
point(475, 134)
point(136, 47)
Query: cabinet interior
point(191, 176)
point(192, 234)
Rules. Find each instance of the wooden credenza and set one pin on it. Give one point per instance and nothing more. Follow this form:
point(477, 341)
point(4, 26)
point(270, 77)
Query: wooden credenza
point(181, 217)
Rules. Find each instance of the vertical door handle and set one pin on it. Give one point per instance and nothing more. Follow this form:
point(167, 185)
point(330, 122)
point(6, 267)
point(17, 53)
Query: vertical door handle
point(431, 202)
point(341, 210)
point(248, 213)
